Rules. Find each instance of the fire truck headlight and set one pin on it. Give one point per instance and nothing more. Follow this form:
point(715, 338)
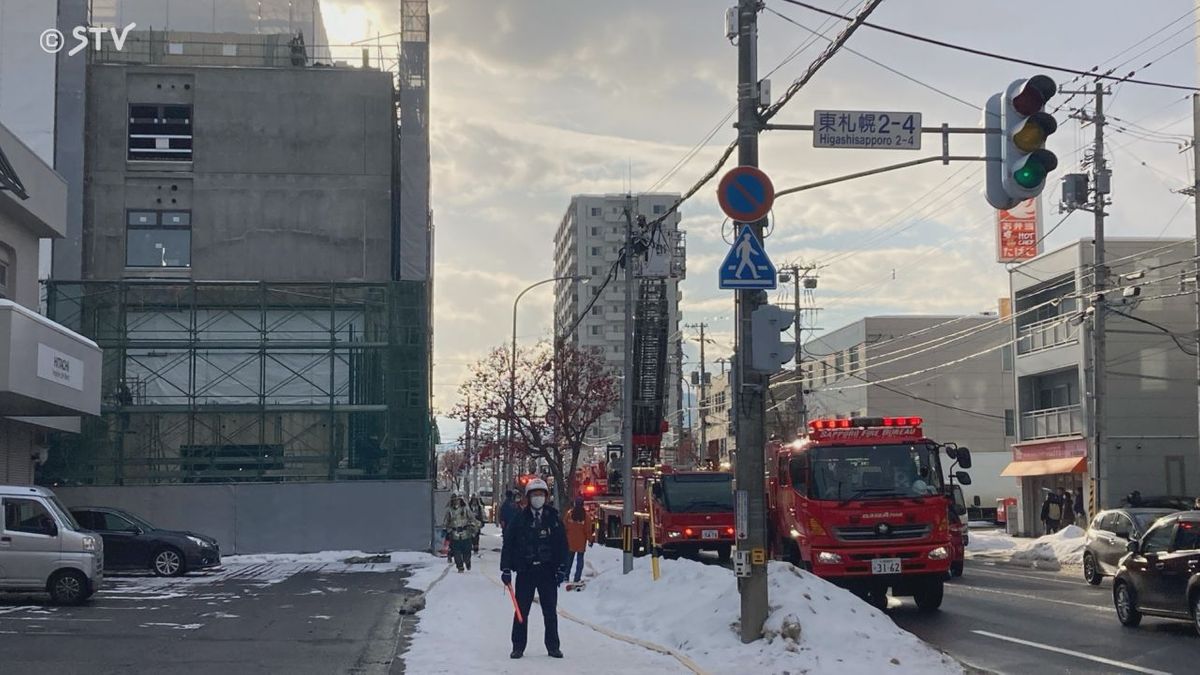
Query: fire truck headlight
point(939, 553)
point(828, 558)
point(674, 534)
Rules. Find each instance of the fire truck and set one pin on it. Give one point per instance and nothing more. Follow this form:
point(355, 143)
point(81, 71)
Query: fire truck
point(680, 512)
point(862, 502)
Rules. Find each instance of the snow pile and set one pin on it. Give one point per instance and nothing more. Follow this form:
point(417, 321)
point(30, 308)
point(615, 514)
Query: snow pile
point(1049, 552)
point(693, 608)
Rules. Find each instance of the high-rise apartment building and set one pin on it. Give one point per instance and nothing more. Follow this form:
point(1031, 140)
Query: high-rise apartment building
point(588, 244)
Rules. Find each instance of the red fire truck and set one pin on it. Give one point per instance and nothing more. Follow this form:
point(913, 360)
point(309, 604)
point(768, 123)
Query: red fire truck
point(862, 502)
point(692, 511)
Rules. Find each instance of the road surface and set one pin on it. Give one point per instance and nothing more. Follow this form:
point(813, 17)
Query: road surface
point(1009, 619)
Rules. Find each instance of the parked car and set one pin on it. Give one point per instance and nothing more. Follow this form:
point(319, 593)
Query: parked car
point(1108, 535)
point(42, 548)
point(1161, 575)
point(132, 543)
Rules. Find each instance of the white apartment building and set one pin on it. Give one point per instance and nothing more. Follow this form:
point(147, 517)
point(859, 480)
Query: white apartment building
point(587, 244)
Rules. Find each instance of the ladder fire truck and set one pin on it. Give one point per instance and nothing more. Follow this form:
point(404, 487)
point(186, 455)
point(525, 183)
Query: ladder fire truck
point(862, 502)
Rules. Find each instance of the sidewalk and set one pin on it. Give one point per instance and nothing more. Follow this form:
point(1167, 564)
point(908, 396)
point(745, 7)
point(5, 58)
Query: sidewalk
point(684, 622)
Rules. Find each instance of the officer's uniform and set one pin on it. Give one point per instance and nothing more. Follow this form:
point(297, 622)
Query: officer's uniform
point(535, 548)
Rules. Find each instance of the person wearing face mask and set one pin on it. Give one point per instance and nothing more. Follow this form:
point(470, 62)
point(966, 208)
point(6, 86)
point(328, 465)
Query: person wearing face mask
point(535, 549)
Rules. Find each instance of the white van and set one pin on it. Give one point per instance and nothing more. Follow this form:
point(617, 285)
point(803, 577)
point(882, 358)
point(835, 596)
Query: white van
point(42, 548)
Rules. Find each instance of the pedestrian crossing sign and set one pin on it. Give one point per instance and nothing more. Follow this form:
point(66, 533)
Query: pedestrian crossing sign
point(747, 266)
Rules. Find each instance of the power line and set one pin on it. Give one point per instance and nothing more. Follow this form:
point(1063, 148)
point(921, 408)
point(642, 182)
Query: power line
point(992, 55)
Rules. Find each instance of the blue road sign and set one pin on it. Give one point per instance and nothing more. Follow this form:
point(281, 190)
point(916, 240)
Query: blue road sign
point(747, 265)
point(746, 194)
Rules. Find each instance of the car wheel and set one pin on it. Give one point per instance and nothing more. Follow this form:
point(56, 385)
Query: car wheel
point(929, 597)
point(1126, 602)
point(1091, 570)
point(725, 553)
point(1196, 611)
point(168, 562)
point(68, 587)
point(956, 569)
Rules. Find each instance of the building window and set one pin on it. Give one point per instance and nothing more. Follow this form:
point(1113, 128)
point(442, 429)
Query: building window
point(595, 212)
point(1006, 358)
point(659, 209)
point(596, 330)
point(5, 263)
point(839, 363)
point(595, 232)
point(595, 271)
point(158, 239)
point(160, 133)
point(854, 359)
point(1010, 422)
point(595, 250)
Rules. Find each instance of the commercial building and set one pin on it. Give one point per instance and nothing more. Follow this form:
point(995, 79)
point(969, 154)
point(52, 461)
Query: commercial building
point(587, 244)
point(1150, 400)
point(49, 375)
point(263, 303)
point(954, 372)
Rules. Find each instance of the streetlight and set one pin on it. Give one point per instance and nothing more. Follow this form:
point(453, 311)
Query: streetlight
point(512, 357)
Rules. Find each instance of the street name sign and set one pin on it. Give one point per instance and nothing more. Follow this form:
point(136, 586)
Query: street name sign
point(867, 129)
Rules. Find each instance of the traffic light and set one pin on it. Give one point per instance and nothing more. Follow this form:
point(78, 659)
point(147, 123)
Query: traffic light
point(1018, 161)
point(768, 352)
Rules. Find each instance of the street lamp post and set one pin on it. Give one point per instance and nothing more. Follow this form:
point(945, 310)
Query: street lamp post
point(512, 356)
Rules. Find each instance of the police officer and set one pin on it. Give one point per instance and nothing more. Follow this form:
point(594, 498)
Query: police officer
point(535, 547)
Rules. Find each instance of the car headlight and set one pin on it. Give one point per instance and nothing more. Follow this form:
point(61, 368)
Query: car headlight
point(89, 544)
point(939, 553)
point(829, 558)
point(197, 541)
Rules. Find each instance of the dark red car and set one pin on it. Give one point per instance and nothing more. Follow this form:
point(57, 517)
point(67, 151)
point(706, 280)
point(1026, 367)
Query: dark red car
point(1161, 575)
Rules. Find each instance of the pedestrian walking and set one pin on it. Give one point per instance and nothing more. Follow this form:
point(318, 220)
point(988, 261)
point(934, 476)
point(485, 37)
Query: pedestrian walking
point(1051, 512)
point(475, 506)
point(535, 549)
point(508, 509)
point(1068, 508)
point(460, 525)
point(580, 535)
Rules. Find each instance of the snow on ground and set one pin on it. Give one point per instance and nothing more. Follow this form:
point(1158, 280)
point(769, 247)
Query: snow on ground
point(1049, 552)
point(692, 609)
point(267, 569)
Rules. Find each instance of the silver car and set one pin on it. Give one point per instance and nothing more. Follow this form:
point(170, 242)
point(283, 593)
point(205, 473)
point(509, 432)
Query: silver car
point(43, 549)
point(1109, 534)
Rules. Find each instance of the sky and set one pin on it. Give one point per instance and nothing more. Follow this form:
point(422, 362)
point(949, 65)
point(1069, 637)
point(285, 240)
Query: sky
point(534, 101)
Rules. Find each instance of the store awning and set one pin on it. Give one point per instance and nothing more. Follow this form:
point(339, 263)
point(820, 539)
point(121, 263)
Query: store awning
point(1046, 467)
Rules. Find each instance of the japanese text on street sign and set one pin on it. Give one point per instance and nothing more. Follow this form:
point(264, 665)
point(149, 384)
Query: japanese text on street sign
point(867, 129)
point(1019, 232)
point(741, 513)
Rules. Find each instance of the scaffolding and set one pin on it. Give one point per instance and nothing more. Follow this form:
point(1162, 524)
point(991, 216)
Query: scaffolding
point(218, 382)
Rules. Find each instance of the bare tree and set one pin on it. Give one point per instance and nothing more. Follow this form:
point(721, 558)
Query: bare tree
point(560, 394)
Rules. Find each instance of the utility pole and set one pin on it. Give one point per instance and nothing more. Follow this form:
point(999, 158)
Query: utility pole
point(749, 386)
point(1100, 188)
point(627, 397)
point(1196, 201)
point(799, 406)
point(703, 453)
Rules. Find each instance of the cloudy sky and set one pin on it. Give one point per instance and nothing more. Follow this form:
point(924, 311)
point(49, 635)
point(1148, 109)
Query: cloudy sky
point(536, 100)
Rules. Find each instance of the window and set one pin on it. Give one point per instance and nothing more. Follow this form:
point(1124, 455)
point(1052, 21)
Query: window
point(799, 475)
point(160, 133)
point(595, 271)
point(595, 250)
point(839, 364)
point(854, 359)
point(1006, 358)
point(1187, 537)
point(595, 330)
point(1010, 422)
point(596, 310)
point(595, 232)
point(111, 522)
point(5, 262)
point(595, 212)
point(1121, 526)
point(158, 239)
point(659, 209)
point(1159, 539)
point(27, 515)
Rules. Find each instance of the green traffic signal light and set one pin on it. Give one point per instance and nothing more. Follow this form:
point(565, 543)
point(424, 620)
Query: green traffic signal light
point(1034, 169)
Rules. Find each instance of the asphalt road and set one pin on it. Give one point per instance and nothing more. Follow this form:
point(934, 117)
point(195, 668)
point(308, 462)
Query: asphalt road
point(1008, 619)
point(248, 621)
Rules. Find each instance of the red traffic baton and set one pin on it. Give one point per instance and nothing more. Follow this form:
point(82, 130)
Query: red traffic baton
point(516, 608)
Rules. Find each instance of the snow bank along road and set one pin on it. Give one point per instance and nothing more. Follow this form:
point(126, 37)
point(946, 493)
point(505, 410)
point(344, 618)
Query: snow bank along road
point(1011, 619)
point(813, 627)
point(257, 614)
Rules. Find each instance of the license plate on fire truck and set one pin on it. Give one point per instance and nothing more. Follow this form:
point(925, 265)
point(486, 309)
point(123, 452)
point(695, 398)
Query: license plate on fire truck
point(709, 534)
point(885, 566)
